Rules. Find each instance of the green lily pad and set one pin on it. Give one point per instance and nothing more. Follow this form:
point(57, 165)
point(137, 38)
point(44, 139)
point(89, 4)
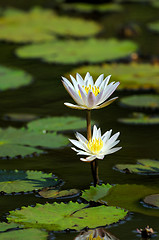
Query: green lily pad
point(20, 117)
point(96, 193)
point(128, 196)
point(5, 226)
point(131, 76)
point(143, 166)
point(13, 78)
point(140, 119)
point(62, 216)
point(141, 101)
point(57, 124)
point(87, 8)
point(41, 25)
point(20, 142)
point(72, 52)
point(51, 193)
point(152, 200)
point(24, 181)
point(155, 3)
point(154, 26)
point(25, 234)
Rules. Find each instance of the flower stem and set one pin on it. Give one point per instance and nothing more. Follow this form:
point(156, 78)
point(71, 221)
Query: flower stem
point(94, 166)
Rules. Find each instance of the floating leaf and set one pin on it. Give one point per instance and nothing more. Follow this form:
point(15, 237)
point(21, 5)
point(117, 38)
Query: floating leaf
point(57, 124)
point(13, 78)
point(87, 8)
point(51, 193)
point(40, 25)
point(152, 200)
point(154, 26)
point(26, 234)
point(13, 142)
point(143, 166)
point(23, 181)
point(61, 216)
point(155, 3)
point(5, 226)
point(131, 76)
point(71, 51)
point(20, 117)
point(96, 193)
point(141, 101)
point(128, 196)
point(140, 119)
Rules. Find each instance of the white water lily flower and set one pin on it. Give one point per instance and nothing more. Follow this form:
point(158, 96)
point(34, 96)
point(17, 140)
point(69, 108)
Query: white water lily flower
point(87, 94)
point(98, 146)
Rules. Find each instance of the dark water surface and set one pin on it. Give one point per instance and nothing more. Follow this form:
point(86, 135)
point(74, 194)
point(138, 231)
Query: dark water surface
point(45, 97)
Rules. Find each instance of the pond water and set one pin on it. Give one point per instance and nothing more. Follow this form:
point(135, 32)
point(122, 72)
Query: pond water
point(45, 97)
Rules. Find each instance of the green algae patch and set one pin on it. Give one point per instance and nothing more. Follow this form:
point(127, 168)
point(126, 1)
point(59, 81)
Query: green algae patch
point(66, 216)
point(25, 181)
point(81, 51)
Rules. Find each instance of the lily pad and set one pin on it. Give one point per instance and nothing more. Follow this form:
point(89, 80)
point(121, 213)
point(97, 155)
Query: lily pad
point(13, 78)
point(131, 76)
point(20, 117)
point(20, 142)
point(155, 3)
point(143, 166)
point(140, 119)
point(87, 8)
point(56, 217)
point(154, 26)
point(72, 52)
point(25, 234)
point(41, 25)
point(51, 193)
point(24, 181)
point(5, 226)
point(141, 101)
point(57, 124)
point(152, 200)
point(96, 193)
point(128, 196)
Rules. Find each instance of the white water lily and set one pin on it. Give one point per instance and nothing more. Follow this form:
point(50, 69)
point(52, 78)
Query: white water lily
point(87, 94)
point(98, 146)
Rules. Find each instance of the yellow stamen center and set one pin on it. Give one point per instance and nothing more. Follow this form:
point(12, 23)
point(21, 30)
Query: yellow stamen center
point(95, 146)
point(94, 89)
point(92, 238)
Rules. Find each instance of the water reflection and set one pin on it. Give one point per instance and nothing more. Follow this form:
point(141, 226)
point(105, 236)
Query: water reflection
point(95, 234)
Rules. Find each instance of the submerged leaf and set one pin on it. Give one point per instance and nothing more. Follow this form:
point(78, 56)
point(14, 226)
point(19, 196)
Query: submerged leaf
point(57, 124)
point(71, 215)
point(13, 78)
point(25, 234)
point(73, 52)
point(41, 25)
point(20, 142)
point(131, 76)
point(23, 181)
point(141, 101)
point(51, 193)
point(143, 166)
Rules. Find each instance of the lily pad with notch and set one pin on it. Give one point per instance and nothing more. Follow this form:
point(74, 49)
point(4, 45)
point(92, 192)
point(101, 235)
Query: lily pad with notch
point(66, 216)
point(146, 101)
point(41, 25)
point(143, 166)
point(13, 78)
point(127, 196)
point(73, 52)
point(19, 142)
point(57, 124)
point(52, 193)
point(140, 119)
point(131, 76)
point(25, 181)
point(25, 234)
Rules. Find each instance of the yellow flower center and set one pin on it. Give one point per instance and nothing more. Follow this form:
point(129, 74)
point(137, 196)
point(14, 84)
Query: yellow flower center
point(95, 146)
point(92, 238)
point(94, 89)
